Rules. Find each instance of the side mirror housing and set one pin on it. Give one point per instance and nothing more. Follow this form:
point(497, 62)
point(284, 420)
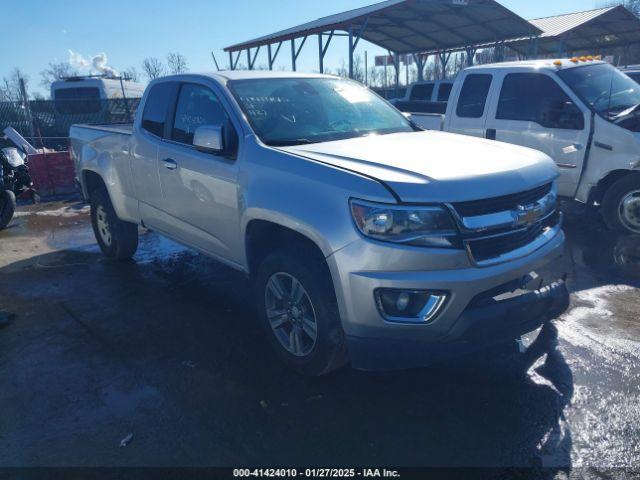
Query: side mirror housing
point(209, 139)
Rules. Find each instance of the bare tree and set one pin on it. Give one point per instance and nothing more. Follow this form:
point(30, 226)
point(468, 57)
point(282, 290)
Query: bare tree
point(10, 86)
point(153, 68)
point(632, 5)
point(56, 71)
point(358, 69)
point(132, 74)
point(177, 63)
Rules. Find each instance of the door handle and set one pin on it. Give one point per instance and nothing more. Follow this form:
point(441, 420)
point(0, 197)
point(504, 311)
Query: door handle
point(491, 133)
point(170, 164)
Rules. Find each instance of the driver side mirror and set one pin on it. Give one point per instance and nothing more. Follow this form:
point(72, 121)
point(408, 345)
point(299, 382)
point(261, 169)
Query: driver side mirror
point(209, 139)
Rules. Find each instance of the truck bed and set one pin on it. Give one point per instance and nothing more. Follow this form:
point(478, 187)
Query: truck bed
point(121, 128)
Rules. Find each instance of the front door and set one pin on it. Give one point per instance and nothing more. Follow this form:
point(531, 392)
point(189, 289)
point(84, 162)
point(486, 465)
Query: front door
point(533, 110)
point(200, 189)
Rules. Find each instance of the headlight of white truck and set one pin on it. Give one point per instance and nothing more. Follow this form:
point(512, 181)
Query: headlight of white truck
point(428, 226)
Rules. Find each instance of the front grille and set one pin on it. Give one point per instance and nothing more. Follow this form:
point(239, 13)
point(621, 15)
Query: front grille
point(500, 204)
point(488, 248)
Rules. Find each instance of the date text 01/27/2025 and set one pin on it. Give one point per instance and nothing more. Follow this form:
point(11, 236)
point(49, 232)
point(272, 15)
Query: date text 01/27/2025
point(315, 473)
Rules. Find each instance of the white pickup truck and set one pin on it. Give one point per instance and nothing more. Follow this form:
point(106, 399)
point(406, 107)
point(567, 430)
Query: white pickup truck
point(584, 114)
point(366, 238)
point(425, 97)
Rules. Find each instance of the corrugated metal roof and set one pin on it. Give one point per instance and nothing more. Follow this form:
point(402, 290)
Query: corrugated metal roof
point(588, 31)
point(560, 24)
point(409, 26)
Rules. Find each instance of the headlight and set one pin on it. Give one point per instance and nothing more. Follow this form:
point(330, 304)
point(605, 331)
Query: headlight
point(422, 226)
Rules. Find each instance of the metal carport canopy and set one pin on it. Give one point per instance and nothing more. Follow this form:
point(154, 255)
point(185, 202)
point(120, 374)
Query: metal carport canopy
point(588, 31)
point(413, 26)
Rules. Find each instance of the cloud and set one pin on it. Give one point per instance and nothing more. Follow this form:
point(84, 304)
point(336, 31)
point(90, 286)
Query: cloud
point(78, 61)
point(100, 63)
point(97, 63)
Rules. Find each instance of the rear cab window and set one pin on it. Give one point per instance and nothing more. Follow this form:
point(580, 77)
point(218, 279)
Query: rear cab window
point(156, 108)
point(422, 92)
point(444, 92)
point(473, 95)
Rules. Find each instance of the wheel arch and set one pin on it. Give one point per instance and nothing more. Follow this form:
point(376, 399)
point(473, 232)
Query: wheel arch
point(600, 189)
point(91, 181)
point(263, 236)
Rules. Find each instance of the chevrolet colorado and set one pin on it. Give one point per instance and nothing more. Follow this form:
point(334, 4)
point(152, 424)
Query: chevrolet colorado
point(368, 240)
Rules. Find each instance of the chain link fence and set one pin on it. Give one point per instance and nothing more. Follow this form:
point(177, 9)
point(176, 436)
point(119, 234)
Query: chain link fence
point(47, 122)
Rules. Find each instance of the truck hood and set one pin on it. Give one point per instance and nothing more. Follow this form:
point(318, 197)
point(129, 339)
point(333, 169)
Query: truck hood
point(437, 167)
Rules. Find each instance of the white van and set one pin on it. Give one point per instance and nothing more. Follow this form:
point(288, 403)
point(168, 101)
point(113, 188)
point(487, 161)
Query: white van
point(84, 99)
point(92, 89)
point(583, 113)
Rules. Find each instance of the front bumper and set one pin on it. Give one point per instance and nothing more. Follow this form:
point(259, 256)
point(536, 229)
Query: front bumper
point(376, 344)
point(483, 324)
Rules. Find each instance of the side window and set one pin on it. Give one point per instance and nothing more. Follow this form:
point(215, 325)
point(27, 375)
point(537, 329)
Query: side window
point(535, 97)
point(156, 108)
point(473, 96)
point(197, 106)
point(445, 92)
point(422, 92)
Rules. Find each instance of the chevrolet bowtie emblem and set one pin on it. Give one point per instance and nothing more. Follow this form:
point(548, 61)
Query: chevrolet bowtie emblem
point(527, 215)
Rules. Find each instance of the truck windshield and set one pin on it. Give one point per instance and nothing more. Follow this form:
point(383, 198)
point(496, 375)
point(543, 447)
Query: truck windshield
point(607, 90)
point(295, 111)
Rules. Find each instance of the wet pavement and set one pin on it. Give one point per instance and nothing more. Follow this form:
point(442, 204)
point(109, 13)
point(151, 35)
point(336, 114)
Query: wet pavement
point(166, 348)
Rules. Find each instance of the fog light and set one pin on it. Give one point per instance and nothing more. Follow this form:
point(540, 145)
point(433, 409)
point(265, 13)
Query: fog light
point(403, 301)
point(409, 306)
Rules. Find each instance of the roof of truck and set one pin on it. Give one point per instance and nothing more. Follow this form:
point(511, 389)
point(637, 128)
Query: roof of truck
point(550, 64)
point(254, 74)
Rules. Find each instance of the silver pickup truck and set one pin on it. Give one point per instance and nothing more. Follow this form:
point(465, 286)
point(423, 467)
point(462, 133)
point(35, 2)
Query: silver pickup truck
point(367, 239)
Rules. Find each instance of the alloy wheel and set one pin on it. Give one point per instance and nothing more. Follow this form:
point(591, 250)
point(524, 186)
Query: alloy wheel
point(291, 315)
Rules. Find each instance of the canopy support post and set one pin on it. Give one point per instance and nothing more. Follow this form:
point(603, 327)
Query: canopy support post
point(272, 58)
point(252, 61)
point(322, 48)
point(354, 38)
point(295, 52)
point(233, 64)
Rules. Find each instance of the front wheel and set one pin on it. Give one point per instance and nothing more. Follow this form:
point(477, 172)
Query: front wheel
point(621, 204)
point(299, 312)
point(118, 240)
point(7, 207)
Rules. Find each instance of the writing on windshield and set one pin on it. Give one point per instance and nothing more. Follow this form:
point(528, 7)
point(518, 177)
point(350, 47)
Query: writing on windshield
point(290, 111)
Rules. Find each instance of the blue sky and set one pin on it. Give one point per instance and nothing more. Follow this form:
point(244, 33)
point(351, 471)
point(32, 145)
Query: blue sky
point(34, 33)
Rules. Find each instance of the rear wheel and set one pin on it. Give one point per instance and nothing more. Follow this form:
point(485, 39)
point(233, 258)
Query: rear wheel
point(299, 312)
point(621, 204)
point(117, 239)
point(7, 207)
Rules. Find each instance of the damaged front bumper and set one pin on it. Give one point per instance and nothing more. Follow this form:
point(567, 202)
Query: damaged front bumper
point(492, 318)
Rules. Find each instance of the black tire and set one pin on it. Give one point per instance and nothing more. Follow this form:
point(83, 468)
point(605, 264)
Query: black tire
point(612, 204)
point(7, 207)
point(119, 240)
point(329, 350)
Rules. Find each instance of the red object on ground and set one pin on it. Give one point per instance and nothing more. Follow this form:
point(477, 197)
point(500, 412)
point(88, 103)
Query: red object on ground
point(52, 173)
